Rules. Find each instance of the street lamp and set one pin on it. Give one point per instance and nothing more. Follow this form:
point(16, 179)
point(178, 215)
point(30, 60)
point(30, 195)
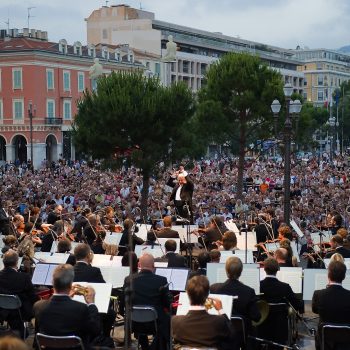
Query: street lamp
point(31, 114)
point(293, 109)
point(331, 122)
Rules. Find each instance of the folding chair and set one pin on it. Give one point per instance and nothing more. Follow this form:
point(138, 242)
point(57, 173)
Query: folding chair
point(59, 342)
point(144, 321)
point(239, 327)
point(338, 335)
point(13, 302)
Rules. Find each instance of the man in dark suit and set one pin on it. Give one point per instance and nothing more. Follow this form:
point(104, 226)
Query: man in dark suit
point(203, 259)
point(333, 302)
point(20, 284)
point(84, 272)
point(275, 291)
point(337, 247)
point(54, 215)
point(198, 328)
point(246, 304)
point(182, 195)
point(173, 259)
point(151, 289)
point(167, 231)
point(62, 316)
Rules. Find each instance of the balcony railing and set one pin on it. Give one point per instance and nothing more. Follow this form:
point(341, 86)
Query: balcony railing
point(53, 121)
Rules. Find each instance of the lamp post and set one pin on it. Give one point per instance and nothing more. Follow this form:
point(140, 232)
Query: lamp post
point(31, 114)
point(331, 122)
point(293, 109)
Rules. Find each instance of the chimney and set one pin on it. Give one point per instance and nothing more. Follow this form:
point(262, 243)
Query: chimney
point(44, 35)
point(25, 32)
point(32, 33)
point(38, 34)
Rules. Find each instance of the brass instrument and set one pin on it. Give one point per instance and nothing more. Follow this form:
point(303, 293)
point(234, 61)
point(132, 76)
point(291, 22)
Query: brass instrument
point(209, 303)
point(80, 290)
point(264, 309)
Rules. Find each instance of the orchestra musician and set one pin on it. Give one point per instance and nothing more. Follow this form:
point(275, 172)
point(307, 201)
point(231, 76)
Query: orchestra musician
point(213, 232)
point(246, 304)
point(337, 247)
point(174, 259)
point(167, 231)
point(55, 215)
point(108, 220)
point(129, 229)
point(16, 283)
point(332, 303)
point(199, 328)
point(336, 223)
point(62, 316)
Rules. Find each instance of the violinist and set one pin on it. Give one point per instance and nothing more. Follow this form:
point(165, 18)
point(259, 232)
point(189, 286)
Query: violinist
point(55, 214)
point(228, 243)
point(336, 223)
point(124, 241)
point(213, 232)
point(81, 224)
point(18, 224)
point(31, 233)
point(10, 242)
point(92, 230)
point(337, 247)
point(108, 220)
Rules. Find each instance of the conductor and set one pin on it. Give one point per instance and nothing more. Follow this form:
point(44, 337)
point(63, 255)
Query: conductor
point(182, 194)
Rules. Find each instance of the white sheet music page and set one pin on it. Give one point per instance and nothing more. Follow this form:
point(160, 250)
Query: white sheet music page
point(251, 277)
point(165, 272)
point(102, 296)
point(115, 275)
point(178, 279)
point(40, 274)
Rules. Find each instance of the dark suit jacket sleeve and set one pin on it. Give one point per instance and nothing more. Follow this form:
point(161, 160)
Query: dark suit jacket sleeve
point(189, 184)
point(29, 290)
point(99, 278)
point(166, 297)
point(93, 324)
point(315, 302)
point(296, 303)
point(171, 182)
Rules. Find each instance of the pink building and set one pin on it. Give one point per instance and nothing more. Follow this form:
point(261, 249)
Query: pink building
point(44, 79)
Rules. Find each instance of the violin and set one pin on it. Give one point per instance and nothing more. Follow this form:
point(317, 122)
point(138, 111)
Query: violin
point(20, 228)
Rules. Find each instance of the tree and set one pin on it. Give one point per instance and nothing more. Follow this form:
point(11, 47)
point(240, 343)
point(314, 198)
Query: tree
point(136, 117)
point(235, 103)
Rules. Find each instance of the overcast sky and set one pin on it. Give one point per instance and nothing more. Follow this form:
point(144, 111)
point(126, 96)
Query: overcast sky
point(284, 23)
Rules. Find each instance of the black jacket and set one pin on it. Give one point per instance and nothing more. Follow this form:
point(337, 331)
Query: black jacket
point(86, 273)
point(345, 253)
point(173, 259)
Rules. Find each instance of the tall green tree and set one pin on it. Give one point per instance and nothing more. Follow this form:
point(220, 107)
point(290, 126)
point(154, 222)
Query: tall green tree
point(139, 117)
point(235, 103)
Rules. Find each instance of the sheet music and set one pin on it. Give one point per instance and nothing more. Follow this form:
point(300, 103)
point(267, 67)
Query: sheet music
point(143, 229)
point(251, 276)
point(40, 274)
point(182, 230)
point(113, 238)
point(231, 225)
point(176, 277)
point(251, 241)
point(161, 264)
point(241, 255)
point(225, 254)
point(101, 260)
point(216, 273)
point(155, 250)
point(296, 228)
point(102, 295)
point(115, 275)
point(226, 300)
point(49, 276)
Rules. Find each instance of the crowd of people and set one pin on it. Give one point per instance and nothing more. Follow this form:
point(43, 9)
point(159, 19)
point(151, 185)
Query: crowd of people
point(79, 201)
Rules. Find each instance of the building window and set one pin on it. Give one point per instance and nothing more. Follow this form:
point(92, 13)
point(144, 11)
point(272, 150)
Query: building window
point(18, 109)
point(17, 78)
point(320, 96)
point(49, 79)
point(81, 82)
point(50, 109)
point(320, 80)
point(157, 69)
point(66, 81)
point(67, 113)
point(104, 34)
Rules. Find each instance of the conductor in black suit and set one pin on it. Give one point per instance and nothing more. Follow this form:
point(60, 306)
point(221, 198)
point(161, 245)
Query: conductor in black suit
point(20, 284)
point(173, 259)
point(62, 316)
point(333, 302)
point(275, 291)
point(246, 304)
point(199, 328)
point(182, 195)
point(150, 289)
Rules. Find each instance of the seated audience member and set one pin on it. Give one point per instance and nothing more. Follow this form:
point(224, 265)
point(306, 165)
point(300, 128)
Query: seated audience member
point(20, 284)
point(12, 343)
point(275, 291)
point(332, 303)
point(151, 289)
point(62, 316)
point(246, 304)
point(203, 259)
point(65, 246)
point(199, 328)
point(173, 259)
point(337, 247)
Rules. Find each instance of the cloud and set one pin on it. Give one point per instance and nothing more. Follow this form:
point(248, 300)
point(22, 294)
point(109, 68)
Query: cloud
point(284, 23)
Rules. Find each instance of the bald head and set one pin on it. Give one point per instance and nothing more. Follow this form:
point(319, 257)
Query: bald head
point(281, 255)
point(146, 262)
point(181, 179)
